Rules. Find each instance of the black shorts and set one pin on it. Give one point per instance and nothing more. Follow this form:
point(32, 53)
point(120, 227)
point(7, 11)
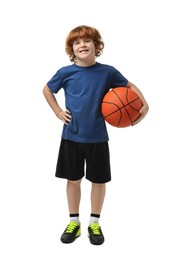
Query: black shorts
point(73, 157)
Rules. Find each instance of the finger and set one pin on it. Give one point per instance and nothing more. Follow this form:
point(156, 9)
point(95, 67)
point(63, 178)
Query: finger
point(68, 116)
point(65, 122)
point(67, 111)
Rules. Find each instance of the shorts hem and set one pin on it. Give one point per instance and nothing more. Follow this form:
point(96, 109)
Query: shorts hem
point(98, 182)
point(69, 179)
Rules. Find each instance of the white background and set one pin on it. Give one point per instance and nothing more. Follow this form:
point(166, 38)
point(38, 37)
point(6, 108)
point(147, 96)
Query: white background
point(138, 217)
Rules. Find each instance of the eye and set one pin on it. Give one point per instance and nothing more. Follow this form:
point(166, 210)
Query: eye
point(76, 42)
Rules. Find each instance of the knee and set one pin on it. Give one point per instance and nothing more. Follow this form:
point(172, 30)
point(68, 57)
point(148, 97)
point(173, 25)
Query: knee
point(74, 183)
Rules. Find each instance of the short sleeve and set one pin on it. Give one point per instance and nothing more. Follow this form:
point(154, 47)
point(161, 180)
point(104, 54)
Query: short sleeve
point(118, 79)
point(56, 82)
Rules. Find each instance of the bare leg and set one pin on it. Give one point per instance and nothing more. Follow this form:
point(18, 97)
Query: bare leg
point(73, 196)
point(97, 197)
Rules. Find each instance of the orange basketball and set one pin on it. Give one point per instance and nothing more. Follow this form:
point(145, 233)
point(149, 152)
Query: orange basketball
point(120, 107)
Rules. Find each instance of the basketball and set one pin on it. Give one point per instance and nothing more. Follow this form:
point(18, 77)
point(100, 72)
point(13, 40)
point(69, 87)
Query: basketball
point(120, 107)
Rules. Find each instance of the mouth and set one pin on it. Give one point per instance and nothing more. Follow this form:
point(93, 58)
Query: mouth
point(83, 50)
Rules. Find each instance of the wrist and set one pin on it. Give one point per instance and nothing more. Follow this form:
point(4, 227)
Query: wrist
point(59, 114)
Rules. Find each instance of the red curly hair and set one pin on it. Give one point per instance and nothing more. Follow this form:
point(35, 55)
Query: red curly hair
point(81, 32)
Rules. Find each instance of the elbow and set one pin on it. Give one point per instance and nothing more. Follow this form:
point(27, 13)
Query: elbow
point(45, 90)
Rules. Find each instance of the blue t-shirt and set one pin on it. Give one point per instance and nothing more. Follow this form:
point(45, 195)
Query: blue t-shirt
point(84, 89)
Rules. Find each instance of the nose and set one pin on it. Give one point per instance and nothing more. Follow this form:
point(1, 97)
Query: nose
point(83, 43)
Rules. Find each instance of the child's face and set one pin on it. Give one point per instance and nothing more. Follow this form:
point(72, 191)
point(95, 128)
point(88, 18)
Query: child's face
point(84, 50)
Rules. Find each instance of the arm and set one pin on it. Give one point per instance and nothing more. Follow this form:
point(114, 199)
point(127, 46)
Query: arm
point(50, 98)
point(144, 110)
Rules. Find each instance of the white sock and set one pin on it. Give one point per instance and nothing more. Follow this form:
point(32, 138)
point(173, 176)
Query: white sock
point(74, 218)
point(93, 219)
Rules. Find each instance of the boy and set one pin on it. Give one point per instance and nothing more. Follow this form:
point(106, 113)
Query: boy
point(84, 136)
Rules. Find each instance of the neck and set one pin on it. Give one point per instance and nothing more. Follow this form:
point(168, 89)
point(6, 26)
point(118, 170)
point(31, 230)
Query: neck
point(85, 63)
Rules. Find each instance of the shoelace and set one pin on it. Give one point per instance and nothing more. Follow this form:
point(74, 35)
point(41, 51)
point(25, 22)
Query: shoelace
point(95, 228)
point(71, 226)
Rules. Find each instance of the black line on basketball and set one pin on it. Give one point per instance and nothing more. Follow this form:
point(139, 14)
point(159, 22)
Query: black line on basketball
point(124, 104)
point(115, 111)
point(131, 102)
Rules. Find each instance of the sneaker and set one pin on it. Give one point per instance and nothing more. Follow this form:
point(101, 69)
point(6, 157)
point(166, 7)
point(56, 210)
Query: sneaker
point(72, 231)
point(95, 234)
